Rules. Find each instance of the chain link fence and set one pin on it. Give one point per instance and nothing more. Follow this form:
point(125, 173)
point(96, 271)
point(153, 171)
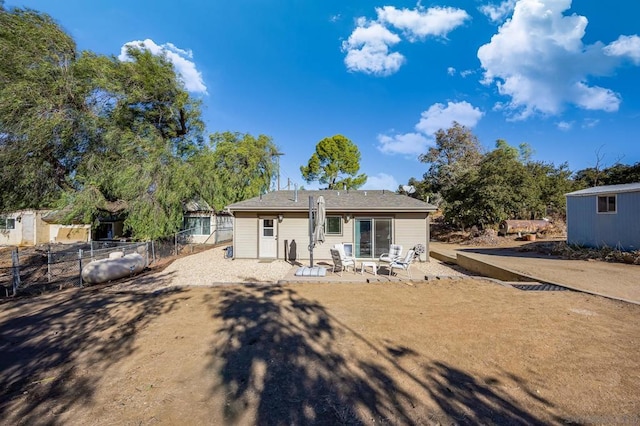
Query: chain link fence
point(38, 269)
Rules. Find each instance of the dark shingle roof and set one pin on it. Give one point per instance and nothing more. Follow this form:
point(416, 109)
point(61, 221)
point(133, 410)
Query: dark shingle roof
point(357, 201)
point(606, 189)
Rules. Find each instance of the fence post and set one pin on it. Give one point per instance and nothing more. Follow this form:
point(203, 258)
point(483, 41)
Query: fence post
point(15, 262)
point(49, 264)
point(153, 251)
point(146, 251)
point(80, 263)
point(175, 244)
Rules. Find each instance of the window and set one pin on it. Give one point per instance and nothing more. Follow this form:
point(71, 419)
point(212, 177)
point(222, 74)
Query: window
point(607, 204)
point(7, 223)
point(198, 225)
point(333, 225)
point(267, 228)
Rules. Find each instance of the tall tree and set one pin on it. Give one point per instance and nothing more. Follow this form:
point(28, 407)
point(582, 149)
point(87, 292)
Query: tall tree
point(93, 132)
point(238, 165)
point(151, 129)
point(335, 163)
point(45, 124)
point(456, 153)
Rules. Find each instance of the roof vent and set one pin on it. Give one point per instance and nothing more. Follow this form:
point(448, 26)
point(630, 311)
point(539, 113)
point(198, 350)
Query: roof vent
point(295, 193)
point(365, 193)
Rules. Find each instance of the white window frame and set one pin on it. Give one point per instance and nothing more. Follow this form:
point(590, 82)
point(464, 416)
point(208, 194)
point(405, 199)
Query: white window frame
point(607, 196)
point(5, 223)
point(199, 228)
point(326, 231)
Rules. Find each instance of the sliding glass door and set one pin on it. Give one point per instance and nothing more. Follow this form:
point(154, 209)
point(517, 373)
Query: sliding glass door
point(372, 237)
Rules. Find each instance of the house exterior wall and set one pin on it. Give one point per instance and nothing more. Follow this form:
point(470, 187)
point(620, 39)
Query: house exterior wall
point(587, 227)
point(245, 235)
point(409, 229)
point(67, 234)
point(29, 229)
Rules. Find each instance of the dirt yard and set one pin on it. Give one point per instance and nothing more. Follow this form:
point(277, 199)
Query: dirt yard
point(448, 351)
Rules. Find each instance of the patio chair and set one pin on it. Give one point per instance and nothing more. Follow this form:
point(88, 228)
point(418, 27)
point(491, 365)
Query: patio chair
point(341, 263)
point(341, 250)
point(395, 253)
point(403, 263)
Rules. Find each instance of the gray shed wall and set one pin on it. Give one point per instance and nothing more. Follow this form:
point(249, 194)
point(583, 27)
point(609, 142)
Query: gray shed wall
point(587, 227)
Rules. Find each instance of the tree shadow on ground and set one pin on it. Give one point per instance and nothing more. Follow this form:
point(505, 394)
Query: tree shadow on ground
point(466, 399)
point(55, 347)
point(286, 360)
point(280, 357)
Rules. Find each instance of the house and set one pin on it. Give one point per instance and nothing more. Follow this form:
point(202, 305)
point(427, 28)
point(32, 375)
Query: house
point(203, 225)
point(33, 227)
point(605, 216)
point(276, 224)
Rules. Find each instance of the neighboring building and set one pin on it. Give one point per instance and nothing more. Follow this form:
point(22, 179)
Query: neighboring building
point(605, 216)
point(204, 226)
point(33, 227)
point(276, 225)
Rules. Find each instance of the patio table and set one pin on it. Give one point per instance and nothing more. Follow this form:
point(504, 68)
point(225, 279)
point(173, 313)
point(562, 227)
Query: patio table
point(372, 265)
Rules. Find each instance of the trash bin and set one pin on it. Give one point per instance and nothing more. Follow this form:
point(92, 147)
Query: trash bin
point(228, 252)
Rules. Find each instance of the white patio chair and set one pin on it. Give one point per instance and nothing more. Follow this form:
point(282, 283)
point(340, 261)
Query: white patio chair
point(341, 263)
point(395, 253)
point(403, 263)
point(343, 255)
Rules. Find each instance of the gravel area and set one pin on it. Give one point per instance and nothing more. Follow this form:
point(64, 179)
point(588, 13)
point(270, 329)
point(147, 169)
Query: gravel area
point(210, 267)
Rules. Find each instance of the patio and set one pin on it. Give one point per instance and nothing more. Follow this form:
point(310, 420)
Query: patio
point(420, 271)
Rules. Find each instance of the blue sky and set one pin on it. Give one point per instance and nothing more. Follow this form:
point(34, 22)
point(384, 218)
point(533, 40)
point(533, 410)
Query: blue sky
point(560, 75)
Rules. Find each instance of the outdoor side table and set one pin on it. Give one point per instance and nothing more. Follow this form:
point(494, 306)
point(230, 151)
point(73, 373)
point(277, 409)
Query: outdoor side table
point(372, 265)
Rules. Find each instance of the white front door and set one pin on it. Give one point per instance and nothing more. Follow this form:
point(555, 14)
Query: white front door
point(268, 238)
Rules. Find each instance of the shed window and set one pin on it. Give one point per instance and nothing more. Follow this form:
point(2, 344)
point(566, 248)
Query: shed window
point(7, 223)
point(333, 225)
point(607, 204)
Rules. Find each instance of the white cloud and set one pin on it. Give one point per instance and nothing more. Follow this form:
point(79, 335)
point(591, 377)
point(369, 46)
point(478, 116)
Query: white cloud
point(564, 125)
point(410, 144)
point(439, 116)
point(537, 58)
point(419, 23)
point(451, 71)
point(368, 49)
point(625, 46)
point(497, 13)
point(181, 59)
point(381, 181)
point(466, 73)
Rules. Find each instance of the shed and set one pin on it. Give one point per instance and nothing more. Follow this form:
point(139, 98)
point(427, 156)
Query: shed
point(276, 224)
point(33, 227)
point(605, 216)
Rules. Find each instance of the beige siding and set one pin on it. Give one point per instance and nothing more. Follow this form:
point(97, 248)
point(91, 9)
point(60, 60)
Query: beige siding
point(411, 229)
point(245, 239)
point(293, 237)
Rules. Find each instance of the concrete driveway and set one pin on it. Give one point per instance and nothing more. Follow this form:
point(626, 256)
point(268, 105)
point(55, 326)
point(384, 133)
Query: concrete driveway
point(613, 280)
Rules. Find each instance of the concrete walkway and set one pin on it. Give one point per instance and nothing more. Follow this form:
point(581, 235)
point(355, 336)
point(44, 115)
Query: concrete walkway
point(613, 280)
